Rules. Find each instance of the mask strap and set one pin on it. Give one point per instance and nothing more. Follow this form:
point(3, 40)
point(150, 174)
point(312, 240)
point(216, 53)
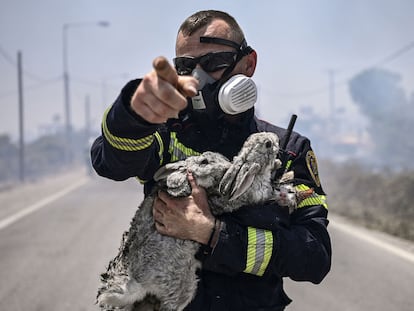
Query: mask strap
point(242, 50)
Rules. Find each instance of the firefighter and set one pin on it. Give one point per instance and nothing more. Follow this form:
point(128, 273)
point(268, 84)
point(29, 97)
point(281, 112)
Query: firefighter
point(169, 115)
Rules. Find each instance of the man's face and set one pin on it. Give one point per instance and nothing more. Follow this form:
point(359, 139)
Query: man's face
point(191, 46)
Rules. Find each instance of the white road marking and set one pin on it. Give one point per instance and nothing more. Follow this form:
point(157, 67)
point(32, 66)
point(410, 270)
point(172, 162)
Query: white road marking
point(4, 223)
point(351, 230)
point(365, 236)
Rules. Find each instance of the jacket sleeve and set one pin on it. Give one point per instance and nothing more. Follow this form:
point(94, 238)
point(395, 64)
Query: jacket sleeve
point(128, 146)
point(265, 240)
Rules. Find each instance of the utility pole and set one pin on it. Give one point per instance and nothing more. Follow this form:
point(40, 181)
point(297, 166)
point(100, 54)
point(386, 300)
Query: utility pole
point(21, 127)
point(66, 83)
point(331, 73)
point(332, 126)
point(66, 89)
point(87, 146)
point(87, 118)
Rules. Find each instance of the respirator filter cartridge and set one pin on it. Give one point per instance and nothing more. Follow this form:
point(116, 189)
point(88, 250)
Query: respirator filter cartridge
point(237, 94)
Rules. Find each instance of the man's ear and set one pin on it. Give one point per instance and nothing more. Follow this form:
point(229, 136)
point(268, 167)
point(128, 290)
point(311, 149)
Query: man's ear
point(250, 63)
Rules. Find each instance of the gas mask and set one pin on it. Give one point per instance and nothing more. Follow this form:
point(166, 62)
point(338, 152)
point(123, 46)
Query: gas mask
point(228, 95)
point(216, 98)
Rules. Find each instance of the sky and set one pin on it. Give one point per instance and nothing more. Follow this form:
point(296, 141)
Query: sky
point(301, 44)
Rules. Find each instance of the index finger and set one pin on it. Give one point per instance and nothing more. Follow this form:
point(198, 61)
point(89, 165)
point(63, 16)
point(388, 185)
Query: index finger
point(187, 86)
point(165, 71)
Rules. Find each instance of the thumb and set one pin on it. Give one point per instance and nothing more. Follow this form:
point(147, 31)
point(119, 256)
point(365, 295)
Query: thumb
point(196, 190)
point(199, 194)
point(191, 179)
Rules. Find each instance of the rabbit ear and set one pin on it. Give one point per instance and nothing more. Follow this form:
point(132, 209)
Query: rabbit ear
point(161, 174)
point(228, 179)
point(243, 180)
point(287, 177)
point(166, 170)
point(278, 164)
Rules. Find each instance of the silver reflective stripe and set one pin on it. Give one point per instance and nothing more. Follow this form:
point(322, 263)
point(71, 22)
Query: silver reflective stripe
point(178, 151)
point(259, 250)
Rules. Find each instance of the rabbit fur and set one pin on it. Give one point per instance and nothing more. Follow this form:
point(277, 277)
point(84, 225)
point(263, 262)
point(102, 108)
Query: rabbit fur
point(150, 265)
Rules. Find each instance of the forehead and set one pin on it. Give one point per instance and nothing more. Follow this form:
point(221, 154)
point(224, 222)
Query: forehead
point(191, 46)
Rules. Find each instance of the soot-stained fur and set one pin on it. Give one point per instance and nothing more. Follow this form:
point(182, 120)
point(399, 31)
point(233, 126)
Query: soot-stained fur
point(157, 272)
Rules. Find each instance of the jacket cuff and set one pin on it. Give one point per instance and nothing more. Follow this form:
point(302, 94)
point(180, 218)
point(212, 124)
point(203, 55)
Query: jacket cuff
point(122, 121)
point(228, 255)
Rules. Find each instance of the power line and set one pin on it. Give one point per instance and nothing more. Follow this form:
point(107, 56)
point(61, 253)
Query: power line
point(33, 86)
point(321, 90)
point(396, 54)
point(7, 57)
point(12, 62)
point(43, 83)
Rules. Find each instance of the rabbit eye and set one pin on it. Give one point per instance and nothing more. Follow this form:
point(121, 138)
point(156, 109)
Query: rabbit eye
point(268, 144)
point(204, 162)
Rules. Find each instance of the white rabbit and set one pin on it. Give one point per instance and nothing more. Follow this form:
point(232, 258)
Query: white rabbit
point(150, 265)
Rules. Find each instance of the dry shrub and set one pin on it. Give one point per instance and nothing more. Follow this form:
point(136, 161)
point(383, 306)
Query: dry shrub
point(382, 200)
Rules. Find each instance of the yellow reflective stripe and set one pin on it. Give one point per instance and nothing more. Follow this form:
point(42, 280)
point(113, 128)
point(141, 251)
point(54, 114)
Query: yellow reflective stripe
point(125, 144)
point(302, 187)
point(141, 181)
point(251, 250)
point(161, 144)
point(259, 250)
point(288, 164)
point(314, 199)
point(178, 151)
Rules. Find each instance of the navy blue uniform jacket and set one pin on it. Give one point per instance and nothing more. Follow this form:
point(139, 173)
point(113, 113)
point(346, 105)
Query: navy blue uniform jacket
point(258, 247)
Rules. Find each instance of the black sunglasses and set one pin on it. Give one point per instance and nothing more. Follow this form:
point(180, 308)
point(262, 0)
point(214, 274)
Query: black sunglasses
point(210, 62)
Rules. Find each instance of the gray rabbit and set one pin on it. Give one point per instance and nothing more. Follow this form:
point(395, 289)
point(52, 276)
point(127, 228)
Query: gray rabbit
point(157, 272)
point(149, 263)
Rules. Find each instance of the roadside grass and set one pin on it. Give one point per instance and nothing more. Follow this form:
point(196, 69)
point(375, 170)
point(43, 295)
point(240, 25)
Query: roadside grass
point(381, 200)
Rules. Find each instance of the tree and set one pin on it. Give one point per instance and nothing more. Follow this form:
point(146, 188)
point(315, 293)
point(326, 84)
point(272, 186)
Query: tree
point(8, 158)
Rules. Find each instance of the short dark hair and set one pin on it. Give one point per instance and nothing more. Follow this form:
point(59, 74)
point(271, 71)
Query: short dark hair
point(203, 18)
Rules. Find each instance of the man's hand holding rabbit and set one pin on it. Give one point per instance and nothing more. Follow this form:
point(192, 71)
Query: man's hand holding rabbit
point(187, 218)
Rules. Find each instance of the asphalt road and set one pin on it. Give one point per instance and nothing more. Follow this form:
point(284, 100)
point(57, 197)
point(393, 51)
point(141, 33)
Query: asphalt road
point(57, 236)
